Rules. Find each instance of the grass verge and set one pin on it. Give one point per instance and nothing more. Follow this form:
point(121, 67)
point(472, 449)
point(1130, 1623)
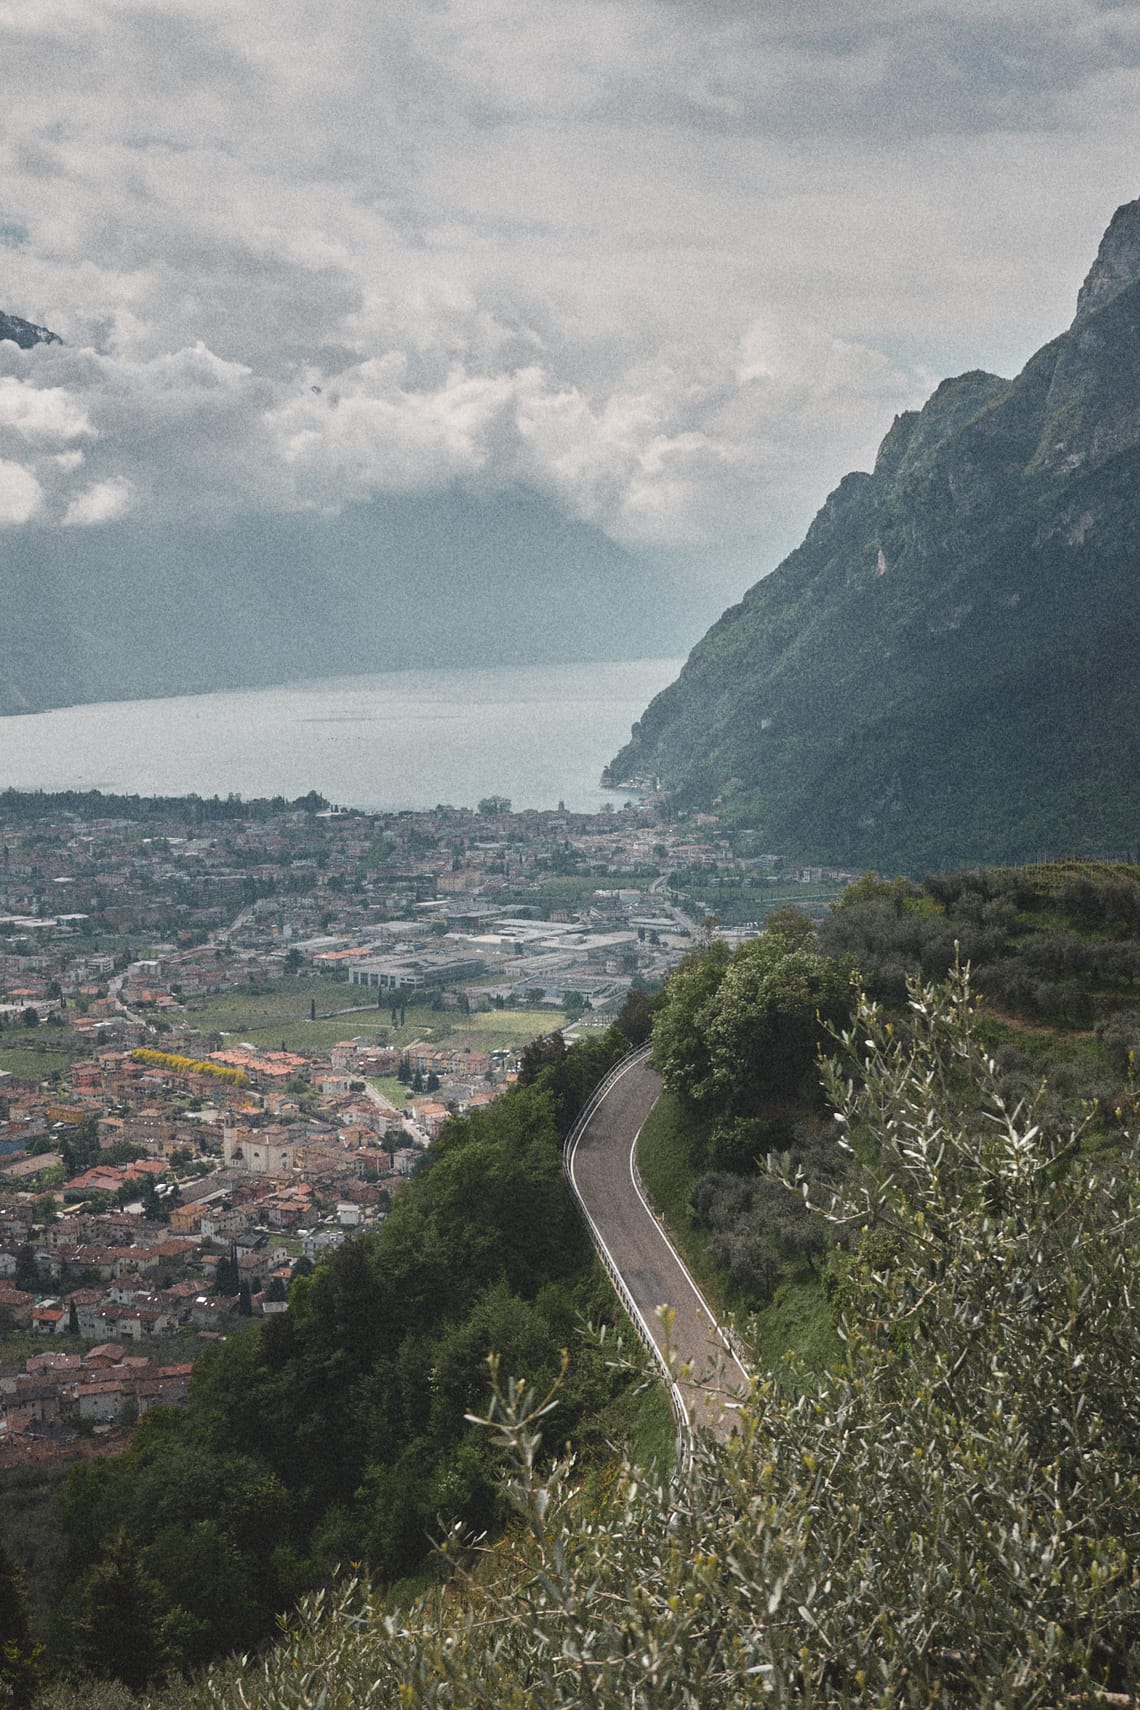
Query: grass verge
point(669, 1178)
point(796, 1326)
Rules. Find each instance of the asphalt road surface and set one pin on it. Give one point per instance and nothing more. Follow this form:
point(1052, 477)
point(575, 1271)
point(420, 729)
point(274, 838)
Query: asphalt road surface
point(602, 1168)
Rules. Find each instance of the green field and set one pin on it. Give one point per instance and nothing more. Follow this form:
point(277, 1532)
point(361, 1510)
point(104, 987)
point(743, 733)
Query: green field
point(278, 1014)
point(390, 1088)
point(35, 1062)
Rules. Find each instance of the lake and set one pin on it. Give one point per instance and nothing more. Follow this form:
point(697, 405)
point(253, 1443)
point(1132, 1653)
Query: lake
point(399, 739)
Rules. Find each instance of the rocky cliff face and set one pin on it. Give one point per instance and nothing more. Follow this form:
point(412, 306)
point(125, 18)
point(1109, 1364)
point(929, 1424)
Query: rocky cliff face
point(25, 333)
point(944, 671)
point(1117, 262)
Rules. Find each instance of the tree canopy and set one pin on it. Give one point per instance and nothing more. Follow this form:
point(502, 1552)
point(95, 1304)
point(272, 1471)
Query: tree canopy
point(734, 1031)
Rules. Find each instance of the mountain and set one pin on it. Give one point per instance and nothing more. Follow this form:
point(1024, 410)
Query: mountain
point(944, 672)
point(133, 609)
point(25, 333)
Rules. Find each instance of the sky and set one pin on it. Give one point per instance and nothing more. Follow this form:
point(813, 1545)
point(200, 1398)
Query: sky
point(671, 267)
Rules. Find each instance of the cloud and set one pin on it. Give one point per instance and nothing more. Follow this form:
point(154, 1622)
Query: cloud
point(40, 415)
point(673, 266)
point(20, 493)
point(102, 502)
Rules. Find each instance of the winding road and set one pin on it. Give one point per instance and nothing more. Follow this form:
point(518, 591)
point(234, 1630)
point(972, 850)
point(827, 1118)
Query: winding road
point(641, 1259)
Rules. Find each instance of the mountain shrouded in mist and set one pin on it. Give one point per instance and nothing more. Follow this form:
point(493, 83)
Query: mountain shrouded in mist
point(945, 670)
point(131, 610)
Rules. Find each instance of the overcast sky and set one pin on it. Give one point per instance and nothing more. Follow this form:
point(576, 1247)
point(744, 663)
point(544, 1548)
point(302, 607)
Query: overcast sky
point(673, 265)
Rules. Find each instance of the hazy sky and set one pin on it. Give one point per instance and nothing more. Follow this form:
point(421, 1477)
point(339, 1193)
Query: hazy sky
point(673, 266)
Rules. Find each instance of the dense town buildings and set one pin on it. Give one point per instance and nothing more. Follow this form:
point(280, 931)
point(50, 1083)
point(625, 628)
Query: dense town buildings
point(162, 1173)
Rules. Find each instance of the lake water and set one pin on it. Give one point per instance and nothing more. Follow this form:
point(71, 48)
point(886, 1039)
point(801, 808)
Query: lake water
point(401, 739)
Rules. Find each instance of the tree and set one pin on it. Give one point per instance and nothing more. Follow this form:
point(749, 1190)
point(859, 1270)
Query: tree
point(790, 924)
point(19, 1669)
point(227, 1279)
point(680, 1047)
point(27, 1275)
point(115, 1628)
point(549, 1049)
point(153, 1207)
point(30, 1016)
point(765, 1028)
point(734, 1032)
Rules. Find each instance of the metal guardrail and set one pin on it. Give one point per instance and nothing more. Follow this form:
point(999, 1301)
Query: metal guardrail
point(676, 1401)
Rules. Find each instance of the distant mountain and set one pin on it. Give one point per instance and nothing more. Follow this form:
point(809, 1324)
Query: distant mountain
point(131, 610)
point(25, 333)
point(947, 670)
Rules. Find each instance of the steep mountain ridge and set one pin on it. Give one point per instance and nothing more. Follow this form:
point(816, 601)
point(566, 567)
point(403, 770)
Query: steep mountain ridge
point(944, 670)
point(25, 333)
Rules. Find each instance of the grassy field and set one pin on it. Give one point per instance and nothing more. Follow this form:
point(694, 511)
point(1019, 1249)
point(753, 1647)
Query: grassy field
point(390, 1088)
point(279, 1014)
point(34, 1062)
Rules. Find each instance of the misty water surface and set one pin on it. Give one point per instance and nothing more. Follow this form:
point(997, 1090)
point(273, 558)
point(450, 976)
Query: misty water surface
point(402, 739)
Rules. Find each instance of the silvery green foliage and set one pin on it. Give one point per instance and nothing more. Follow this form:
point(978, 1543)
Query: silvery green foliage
point(951, 1519)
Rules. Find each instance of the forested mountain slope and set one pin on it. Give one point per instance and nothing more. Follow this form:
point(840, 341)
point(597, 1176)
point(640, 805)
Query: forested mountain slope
point(944, 671)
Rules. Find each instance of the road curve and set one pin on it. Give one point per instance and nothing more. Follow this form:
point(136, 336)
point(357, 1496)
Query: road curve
point(601, 1162)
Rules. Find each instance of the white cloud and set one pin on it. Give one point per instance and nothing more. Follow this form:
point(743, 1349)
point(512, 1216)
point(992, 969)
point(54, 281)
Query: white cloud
point(102, 502)
point(20, 493)
point(673, 265)
point(40, 414)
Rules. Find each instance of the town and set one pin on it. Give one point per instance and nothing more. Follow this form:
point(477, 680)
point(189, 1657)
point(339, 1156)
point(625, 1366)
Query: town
point(231, 1031)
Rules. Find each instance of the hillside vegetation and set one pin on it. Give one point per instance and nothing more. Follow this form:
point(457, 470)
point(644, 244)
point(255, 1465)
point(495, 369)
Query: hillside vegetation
point(336, 1433)
point(1055, 958)
point(937, 1505)
point(948, 1518)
